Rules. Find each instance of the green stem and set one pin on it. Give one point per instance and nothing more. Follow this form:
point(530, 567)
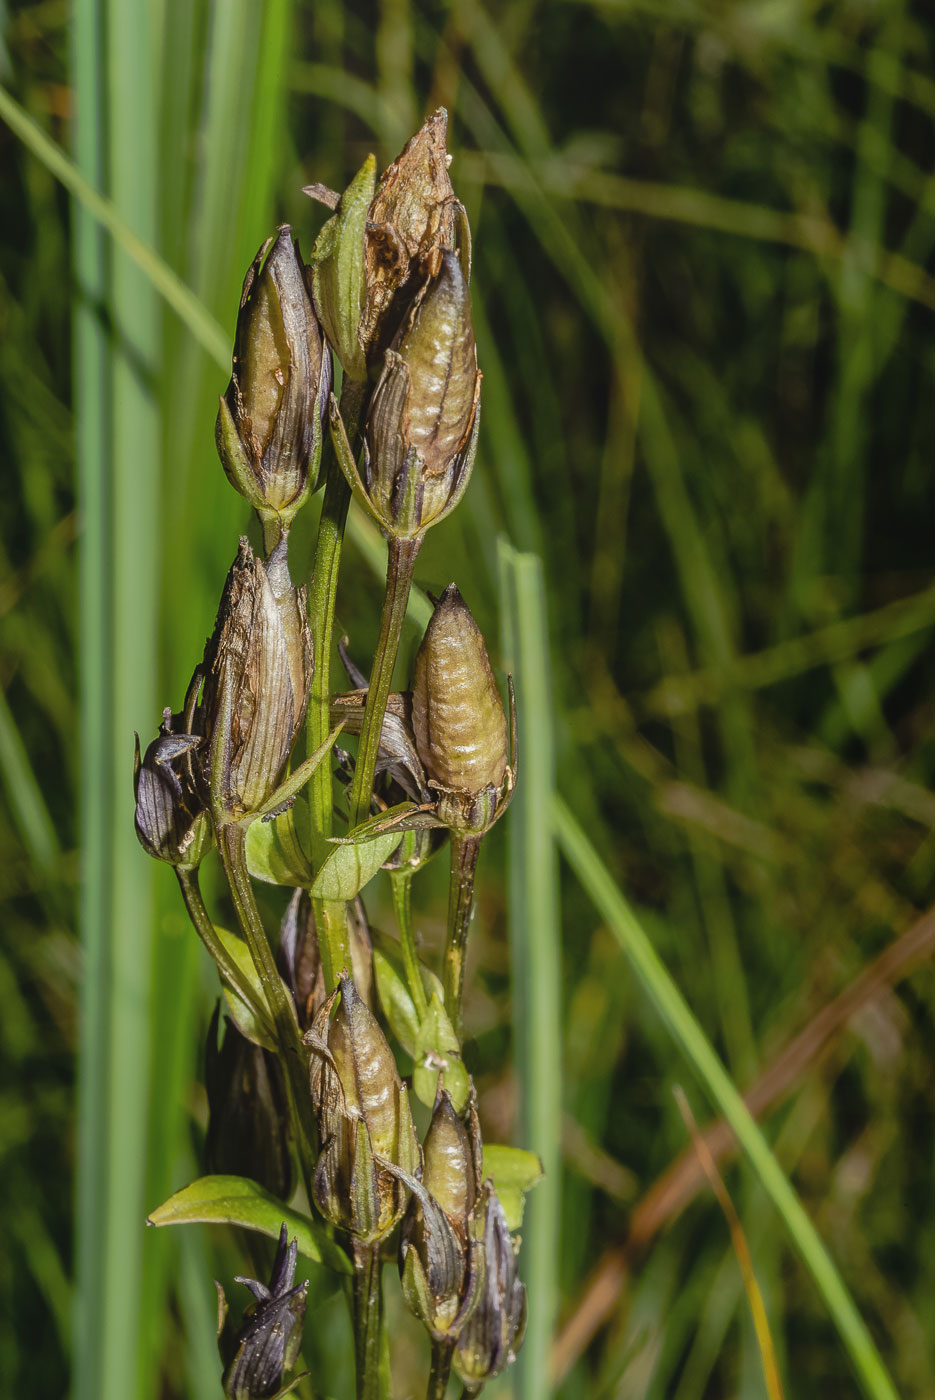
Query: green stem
point(333, 942)
point(400, 564)
point(442, 1355)
point(323, 587)
point(401, 883)
point(330, 917)
point(368, 1319)
point(204, 927)
point(232, 846)
point(464, 852)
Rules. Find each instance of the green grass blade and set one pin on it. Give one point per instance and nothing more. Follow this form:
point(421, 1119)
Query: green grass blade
point(91, 438)
point(535, 952)
point(685, 1030)
point(108, 214)
point(25, 796)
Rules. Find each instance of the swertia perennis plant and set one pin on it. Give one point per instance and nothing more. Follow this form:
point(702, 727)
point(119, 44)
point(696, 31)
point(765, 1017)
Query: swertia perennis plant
point(304, 1086)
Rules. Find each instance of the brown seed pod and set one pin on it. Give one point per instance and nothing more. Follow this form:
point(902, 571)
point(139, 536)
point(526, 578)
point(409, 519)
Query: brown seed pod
point(457, 714)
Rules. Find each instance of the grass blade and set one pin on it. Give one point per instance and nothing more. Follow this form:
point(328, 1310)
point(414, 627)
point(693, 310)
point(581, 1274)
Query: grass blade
point(685, 1030)
point(535, 953)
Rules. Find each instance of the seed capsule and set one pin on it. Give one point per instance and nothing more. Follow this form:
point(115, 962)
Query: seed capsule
point(441, 1260)
point(270, 420)
point(421, 428)
point(248, 1113)
point(413, 215)
point(493, 1333)
point(171, 821)
point(258, 667)
point(269, 1339)
point(458, 718)
point(363, 1116)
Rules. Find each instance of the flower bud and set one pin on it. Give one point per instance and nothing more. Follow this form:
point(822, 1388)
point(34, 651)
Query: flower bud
point(421, 428)
point(458, 719)
point(270, 420)
point(258, 667)
point(493, 1333)
point(248, 1114)
point(170, 820)
point(299, 955)
point(270, 1337)
point(363, 1119)
point(441, 1261)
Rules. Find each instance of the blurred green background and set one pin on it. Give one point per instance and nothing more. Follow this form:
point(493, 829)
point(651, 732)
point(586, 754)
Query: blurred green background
point(704, 251)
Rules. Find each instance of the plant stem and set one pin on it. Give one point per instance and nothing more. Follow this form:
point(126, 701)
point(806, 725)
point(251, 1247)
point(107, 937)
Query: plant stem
point(232, 846)
point(333, 942)
point(401, 883)
point(400, 564)
point(442, 1355)
point(368, 1319)
point(464, 851)
point(204, 927)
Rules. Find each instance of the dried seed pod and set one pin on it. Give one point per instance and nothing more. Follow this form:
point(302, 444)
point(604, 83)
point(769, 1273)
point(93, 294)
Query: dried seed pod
point(258, 666)
point(268, 1341)
point(421, 427)
point(413, 216)
point(171, 822)
point(270, 420)
point(458, 719)
point(441, 1260)
point(248, 1114)
point(364, 1122)
point(493, 1333)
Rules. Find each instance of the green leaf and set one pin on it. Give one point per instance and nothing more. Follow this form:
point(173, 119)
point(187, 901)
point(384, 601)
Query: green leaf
point(235, 1200)
point(246, 1020)
point(438, 1051)
point(347, 869)
point(514, 1172)
point(398, 1006)
point(274, 853)
point(393, 990)
point(338, 270)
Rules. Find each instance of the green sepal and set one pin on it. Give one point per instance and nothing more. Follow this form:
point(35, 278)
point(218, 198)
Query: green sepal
point(365, 1191)
point(438, 1052)
point(339, 283)
point(514, 1172)
point(236, 1200)
point(408, 1152)
point(348, 465)
point(405, 816)
point(415, 1288)
point(234, 459)
point(348, 868)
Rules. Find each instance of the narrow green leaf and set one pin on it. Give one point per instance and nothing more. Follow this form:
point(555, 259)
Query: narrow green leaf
point(598, 883)
point(398, 1006)
point(535, 949)
point(236, 1200)
point(346, 871)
